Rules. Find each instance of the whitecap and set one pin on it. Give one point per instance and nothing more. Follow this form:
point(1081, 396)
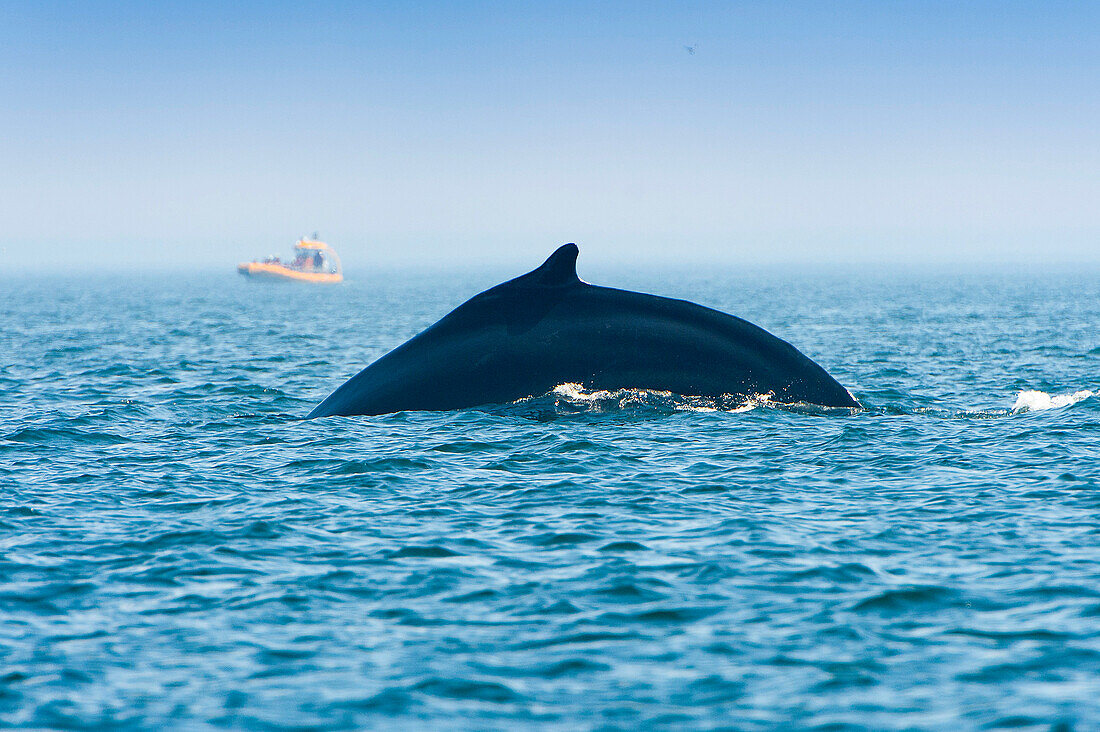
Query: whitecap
point(1037, 401)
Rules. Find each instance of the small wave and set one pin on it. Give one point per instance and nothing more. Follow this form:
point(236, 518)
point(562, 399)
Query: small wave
point(1037, 401)
point(422, 552)
point(468, 689)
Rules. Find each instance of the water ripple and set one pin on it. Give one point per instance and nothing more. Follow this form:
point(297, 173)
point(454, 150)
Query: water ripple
point(178, 549)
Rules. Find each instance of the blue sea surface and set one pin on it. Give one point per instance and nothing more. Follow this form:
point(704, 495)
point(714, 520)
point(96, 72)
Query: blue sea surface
point(178, 549)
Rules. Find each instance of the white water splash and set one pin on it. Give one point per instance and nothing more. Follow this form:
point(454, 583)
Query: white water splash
point(1037, 401)
point(603, 400)
point(577, 392)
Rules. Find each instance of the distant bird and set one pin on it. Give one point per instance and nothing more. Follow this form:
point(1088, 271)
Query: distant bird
point(691, 49)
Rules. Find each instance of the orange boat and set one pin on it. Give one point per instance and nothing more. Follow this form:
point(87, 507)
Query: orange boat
point(314, 261)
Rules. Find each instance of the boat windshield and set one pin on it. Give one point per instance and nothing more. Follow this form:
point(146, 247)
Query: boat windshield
point(311, 259)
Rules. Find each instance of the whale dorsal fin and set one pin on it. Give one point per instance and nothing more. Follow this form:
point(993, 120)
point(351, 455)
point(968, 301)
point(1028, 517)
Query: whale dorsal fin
point(558, 271)
point(560, 268)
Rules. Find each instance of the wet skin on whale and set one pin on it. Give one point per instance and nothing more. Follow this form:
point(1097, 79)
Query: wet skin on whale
point(526, 336)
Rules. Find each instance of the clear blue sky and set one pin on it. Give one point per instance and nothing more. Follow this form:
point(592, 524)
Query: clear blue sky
point(431, 132)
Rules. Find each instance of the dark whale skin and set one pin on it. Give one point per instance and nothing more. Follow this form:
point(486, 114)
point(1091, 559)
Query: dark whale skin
point(526, 336)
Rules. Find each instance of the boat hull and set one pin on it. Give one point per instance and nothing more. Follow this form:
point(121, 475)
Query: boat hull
point(268, 271)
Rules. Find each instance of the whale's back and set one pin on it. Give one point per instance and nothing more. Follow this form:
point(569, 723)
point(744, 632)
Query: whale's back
point(526, 336)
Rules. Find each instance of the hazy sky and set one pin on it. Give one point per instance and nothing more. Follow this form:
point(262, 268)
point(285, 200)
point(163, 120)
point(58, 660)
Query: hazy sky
point(152, 133)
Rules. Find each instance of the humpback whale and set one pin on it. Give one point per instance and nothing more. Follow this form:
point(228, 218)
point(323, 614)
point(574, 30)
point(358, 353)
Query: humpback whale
point(528, 335)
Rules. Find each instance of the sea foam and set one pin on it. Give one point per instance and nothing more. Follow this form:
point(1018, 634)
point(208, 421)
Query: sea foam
point(1037, 401)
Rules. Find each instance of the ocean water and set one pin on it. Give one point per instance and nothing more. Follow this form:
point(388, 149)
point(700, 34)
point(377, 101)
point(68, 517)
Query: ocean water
point(179, 550)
